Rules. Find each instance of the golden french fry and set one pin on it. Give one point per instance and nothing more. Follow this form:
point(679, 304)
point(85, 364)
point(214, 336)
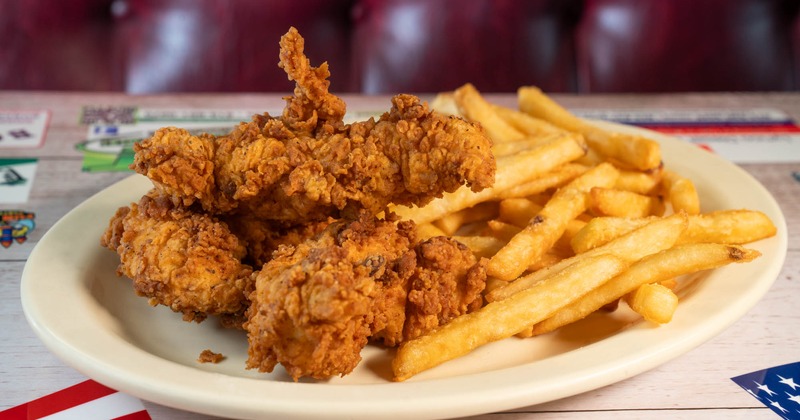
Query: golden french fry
point(573, 227)
point(518, 211)
point(481, 246)
point(450, 223)
point(550, 258)
point(654, 302)
point(475, 108)
point(653, 237)
point(681, 193)
point(502, 230)
point(721, 226)
point(630, 150)
point(544, 229)
point(671, 284)
point(553, 179)
point(676, 261)
point(511, 171)
point(532, 101)
point(445, 103)
point(619, 203)
point(729, 227)
point(530, 143)
point(427, 231)
point(499, 320)
point(527, 124)
point(645, 183)
point(601, 230)
point(512, 147)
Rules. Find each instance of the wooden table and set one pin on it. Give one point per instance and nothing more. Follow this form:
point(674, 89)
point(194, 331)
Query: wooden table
point(696, 385)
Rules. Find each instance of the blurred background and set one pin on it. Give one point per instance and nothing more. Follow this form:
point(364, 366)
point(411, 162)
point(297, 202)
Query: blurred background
point(391, 46)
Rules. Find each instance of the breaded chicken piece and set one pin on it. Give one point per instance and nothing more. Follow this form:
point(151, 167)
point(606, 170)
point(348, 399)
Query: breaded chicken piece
point(308, 165)
point(312, 305)
point(317, 304)
point(187, 261)
point(263, 237)
point(448, 282)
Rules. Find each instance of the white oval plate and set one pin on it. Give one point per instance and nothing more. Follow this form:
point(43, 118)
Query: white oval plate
point(92, 319)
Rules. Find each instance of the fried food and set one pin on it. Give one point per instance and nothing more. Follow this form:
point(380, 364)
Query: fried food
point(308, 165)
point(188, 261)
point(448, 282)
point(317, 304)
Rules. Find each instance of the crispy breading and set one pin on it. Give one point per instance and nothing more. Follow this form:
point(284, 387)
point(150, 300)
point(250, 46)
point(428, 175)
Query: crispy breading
point(308, 165)
point(188, 261)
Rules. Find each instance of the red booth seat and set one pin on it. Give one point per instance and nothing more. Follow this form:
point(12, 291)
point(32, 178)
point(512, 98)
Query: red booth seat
point(388, 46)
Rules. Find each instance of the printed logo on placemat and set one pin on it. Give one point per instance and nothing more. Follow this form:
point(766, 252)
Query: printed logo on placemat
point(108, 115)
point(23, 128)
point(16, 179)
point(15, 226)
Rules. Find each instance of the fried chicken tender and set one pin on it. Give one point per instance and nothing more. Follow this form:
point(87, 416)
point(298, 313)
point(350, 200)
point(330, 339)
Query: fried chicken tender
point(185, 260)
point(308, 165)
point(447, 283)
point(263, 237)
point(311, 309)
point(316, 305)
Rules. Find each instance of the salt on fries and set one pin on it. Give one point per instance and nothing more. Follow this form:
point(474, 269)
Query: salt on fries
point(579, 219)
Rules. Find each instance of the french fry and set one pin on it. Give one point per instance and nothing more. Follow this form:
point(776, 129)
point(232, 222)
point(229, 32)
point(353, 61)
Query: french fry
point(664, 265)
point(502, 230)
point(653, 237)
point(532, 101)
point(556, 178)
point(544, 229)
point(427, 231)
point(450, 223)
point(529, 143)
point(721, 226)
point(654, 302)
point(729, 227)
point(601, 230)
point(512, 147)
point(474, 107)
point(511, 170)
point(445, 103)
point(681, 193)
point(481, 246)
point(499, 320)
point(630, 150)
point(645, 183)
point(517, 211)
point(527, 124)
point(573, 227)
point(619, 203)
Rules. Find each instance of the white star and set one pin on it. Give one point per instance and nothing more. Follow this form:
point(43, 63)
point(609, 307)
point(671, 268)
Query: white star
point(795, 398)
point(765, 389)
point(790, 382)
point(778, 406)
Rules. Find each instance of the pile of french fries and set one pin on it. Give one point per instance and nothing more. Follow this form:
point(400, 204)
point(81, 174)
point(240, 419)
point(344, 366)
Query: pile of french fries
point(579, 219)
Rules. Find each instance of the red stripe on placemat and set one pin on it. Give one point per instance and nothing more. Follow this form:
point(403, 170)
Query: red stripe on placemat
point(725, 129)
point(58, 401)
point(139, 415)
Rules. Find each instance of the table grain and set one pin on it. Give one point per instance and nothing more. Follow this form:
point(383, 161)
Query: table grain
point(695, 385)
